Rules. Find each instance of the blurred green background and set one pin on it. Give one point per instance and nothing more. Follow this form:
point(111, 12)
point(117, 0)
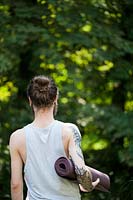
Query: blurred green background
point(86, 46)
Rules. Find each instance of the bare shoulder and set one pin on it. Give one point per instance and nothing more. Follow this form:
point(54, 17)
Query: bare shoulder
point(69, 129)
point(68, 124)
point(16, 138)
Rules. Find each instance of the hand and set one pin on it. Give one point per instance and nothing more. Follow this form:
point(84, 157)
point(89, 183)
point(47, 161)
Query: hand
point(95, 183)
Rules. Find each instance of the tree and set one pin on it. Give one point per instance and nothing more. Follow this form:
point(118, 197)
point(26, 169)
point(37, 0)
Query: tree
point(87, 47)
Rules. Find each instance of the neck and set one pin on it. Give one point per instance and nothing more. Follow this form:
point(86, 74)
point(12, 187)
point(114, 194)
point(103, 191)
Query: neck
point(43, 117)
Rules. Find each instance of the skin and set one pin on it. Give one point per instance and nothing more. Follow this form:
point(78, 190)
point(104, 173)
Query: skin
point(71, 140)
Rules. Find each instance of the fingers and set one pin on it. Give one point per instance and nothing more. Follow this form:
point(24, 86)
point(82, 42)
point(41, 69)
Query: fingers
point(95, 183)
point(82, 189)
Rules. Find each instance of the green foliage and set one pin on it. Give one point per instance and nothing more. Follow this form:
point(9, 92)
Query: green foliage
point(87, 47)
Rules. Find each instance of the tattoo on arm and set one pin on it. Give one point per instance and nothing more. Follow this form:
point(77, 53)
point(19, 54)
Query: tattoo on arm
point(77, 140)
point(83, 176)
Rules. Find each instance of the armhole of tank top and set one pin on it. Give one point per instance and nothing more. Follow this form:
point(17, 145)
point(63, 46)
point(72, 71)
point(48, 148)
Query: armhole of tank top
point(26, 141)
point(61, 136)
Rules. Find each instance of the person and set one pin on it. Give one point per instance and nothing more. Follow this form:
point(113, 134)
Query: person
point(38, 145)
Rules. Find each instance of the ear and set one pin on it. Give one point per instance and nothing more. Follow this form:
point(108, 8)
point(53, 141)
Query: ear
point(56, 99)
point(30, 102)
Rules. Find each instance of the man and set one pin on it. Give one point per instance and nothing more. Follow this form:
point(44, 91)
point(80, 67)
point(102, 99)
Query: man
point(39, 144)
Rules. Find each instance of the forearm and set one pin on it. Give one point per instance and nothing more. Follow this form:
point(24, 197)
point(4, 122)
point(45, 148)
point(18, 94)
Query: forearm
point(84, 176)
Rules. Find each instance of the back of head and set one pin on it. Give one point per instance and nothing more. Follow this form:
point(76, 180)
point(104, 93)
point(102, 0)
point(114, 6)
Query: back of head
point(42, 91)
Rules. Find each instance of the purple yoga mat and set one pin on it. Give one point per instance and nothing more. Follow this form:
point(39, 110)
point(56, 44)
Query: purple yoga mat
point(64, 167)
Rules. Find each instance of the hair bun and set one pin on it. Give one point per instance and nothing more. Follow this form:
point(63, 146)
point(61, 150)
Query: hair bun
point(44, 89)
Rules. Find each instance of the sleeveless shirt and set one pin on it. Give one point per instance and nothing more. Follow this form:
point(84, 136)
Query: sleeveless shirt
point(43, 147)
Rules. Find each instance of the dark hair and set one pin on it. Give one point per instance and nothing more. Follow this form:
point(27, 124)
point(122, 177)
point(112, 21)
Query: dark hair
point(42, 91)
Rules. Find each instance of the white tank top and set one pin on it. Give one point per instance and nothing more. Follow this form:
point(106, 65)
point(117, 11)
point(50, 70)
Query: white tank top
point(44, 146)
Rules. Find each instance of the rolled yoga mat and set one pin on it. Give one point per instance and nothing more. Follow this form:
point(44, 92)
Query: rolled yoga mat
point(64, 167)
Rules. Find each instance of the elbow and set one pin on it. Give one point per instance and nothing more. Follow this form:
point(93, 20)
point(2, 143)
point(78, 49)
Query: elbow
point(15, 186)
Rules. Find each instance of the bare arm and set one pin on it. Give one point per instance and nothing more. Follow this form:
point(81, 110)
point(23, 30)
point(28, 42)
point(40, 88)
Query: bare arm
point(84, 176)
point(16, 169)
